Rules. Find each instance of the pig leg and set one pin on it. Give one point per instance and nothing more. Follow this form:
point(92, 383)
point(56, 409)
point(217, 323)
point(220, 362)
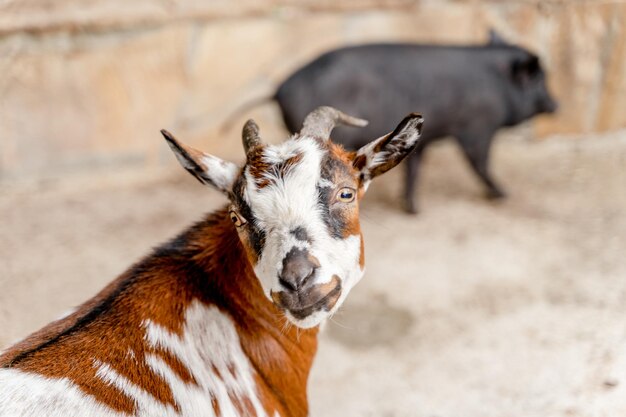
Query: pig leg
point(476, 148)
point(411, 166)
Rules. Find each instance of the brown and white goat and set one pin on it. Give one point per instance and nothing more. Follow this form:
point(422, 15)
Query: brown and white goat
point(198, 327)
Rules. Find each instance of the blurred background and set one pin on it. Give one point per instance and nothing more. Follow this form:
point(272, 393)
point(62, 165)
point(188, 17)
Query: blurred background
point(471, 308)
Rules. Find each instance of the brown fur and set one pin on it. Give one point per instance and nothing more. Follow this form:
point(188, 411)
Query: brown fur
point(362, 254)
point(259, 168)
point(286, 166)
point(359, 162)
point(350, 214)
point(199, 264)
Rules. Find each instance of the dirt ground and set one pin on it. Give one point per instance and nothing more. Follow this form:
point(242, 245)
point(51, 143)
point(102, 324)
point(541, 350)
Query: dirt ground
point(470, 309)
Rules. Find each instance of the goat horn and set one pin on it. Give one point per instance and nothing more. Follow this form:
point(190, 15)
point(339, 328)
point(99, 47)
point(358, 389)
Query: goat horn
point(250, 136)
point(321, 121)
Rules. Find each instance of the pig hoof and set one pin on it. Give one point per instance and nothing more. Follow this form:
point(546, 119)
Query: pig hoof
point(496, 195)
point(410, 208)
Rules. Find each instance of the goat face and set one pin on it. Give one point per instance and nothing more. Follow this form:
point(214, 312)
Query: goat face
point(295, 207)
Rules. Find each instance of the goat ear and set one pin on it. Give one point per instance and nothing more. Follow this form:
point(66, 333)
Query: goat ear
point(208, 169)
point(384, 153)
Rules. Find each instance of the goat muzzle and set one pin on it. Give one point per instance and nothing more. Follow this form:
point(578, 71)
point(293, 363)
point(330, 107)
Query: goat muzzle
point(302, 304)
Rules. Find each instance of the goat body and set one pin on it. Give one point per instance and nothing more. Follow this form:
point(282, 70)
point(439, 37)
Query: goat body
point(185, 332)
point(202, 326)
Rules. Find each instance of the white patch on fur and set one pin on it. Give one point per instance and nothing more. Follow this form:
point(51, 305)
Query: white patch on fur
point(341, 258)
point(209, 341)
point(324, 183)
point(146, 404)
point(280, 153)
point(29, 395)
point(284, 205)
point(222, 173)
point(181, 159)
point(291, 202)
point(294, 242)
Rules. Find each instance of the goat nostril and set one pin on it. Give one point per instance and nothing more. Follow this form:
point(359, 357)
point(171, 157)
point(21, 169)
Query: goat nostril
point(307, 277)
point(290, 286)
point(296, 281)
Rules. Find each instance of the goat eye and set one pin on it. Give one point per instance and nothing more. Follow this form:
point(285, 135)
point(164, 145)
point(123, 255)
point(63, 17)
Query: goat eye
point(236, 218)
point(346, 195)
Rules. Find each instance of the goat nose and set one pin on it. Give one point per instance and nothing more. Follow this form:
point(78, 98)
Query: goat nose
point(298, 268)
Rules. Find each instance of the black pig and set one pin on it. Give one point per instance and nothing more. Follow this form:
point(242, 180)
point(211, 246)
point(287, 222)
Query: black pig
point(467, 92)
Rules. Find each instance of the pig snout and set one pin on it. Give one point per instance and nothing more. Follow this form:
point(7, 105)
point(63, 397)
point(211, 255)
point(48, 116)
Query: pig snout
point(550, 105)
point(546, 104)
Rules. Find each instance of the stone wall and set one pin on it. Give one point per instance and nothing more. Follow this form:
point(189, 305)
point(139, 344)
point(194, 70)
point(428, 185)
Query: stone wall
point(85, 85)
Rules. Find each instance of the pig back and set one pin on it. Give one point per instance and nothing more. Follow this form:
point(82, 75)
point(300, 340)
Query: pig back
point(381, 83)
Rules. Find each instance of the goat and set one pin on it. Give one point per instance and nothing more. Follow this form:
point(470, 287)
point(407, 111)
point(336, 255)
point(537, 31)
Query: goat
point(223, 319)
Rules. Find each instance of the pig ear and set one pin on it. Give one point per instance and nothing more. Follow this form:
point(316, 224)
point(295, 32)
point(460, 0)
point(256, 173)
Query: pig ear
point(208, 169)
point(524, 69)
point(496, 39)
point(384, 153)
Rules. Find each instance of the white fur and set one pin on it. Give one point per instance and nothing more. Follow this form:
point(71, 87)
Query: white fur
point(341, 256)
point(222, 173)
point(30, 395)
point(323, 182)
point(181, 159)
point(209, 339)
point(290, 202)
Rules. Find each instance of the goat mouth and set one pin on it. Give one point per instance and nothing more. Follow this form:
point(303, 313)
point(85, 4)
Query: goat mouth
point(325, 303)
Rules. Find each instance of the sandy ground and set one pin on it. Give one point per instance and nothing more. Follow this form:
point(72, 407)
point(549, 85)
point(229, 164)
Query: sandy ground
point(469, 309)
